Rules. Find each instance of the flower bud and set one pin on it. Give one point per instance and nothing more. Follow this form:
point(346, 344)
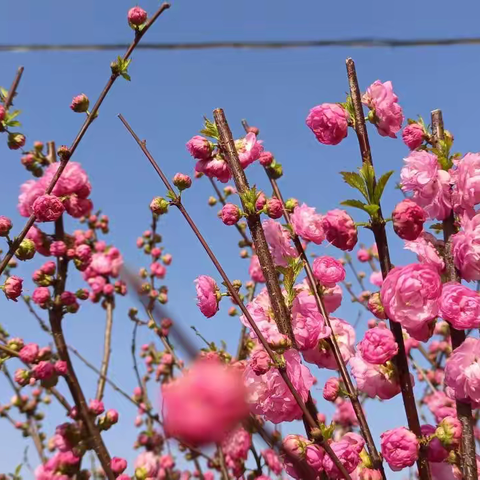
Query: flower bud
point(136, 17)
point(274, 208)
point(295, 446)
point(375, 306)
point(449, 432)
point(413, 136)
point(261, 201)
point(182, 181)
point(230, 214)
point(408, 219)
point(64, 152)
point(118, 465)
point(290, 204)
point(266, 158)
point(3, 113)
point(159, 206)
point(212, 201)
point(16, 140)
point(5, 226)
point(331, 389)
point(80, 103)
point(26, 250)
point(12, 287)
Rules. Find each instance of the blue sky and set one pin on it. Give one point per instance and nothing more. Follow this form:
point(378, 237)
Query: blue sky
point(165, 102)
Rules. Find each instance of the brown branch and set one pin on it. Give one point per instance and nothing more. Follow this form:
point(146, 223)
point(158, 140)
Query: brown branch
point(378, 228)
point(13, 88)
point(176, 201)
point(56, 317)
point(107, 349)
point(464, 410)
point(316, 289)
point(241, 342)
point(93, 113)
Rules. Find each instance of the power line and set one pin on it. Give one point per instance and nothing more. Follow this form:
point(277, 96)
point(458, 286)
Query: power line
point(256, 45)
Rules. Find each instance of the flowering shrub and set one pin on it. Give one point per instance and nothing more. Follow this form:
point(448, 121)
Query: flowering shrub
point(216, 406)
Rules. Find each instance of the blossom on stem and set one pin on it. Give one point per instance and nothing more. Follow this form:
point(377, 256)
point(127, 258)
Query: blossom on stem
point(460, 306)
point(426, 246)
point(413, 136)
point(255, 270)
point(378, 345)
point(12, 287)
point(331, 389)
point(400, 448)
point(5, 226)
point(136, 16)
point(329, 123)
point(387, 113)
point(348, 455)
point(308, 224)
point(466, 248)
point(466, 181)
point(200, 148)
point(279, 242)
point(328, 271)
point(340, 229)
point(208, 295)
point(48, 208)
point(230, 214)
point(249, 149)
point(80, 103)
point(408, 219)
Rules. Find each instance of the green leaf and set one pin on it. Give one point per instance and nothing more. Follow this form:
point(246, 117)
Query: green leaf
point(126, 76)
point(354, 204)
point(368, 174)
point(372, 209)
point(210, 129)
point(380, 186)
point(13, 123)
point(356, 181)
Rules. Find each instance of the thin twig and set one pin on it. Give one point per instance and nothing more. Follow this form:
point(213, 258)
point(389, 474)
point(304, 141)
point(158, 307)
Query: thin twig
point(13, 89)
point(464, 410)
point(378, 228)
point(176, 201)
point(107, 349)
point(83, 130)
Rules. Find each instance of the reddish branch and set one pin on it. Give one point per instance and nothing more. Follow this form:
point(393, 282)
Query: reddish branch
point(379, 232)
point(464, 410)
point(316, 290)
point(107, 349)
point(311, 424)
point(13, 89)
point(93, 113)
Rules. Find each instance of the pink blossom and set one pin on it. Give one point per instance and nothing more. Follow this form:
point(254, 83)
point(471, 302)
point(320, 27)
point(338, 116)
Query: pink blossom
point(408, 219)
point(200, 148)
point(308, 224)
point(266, 159)
point(375, 380)
point(466, 181)
point(274, 208)
point(249, 149)
point(340, 229)
point(460, 306)
point(118, 465)
point(322, 354)
point(236, 445)
point(61, 367)
point(307, 322)
point(12, 287)
point(364, 255)
point(430, 185)
point(158, 270)
point(272, 461)
point(329, 123)
point(328, 271)
point(268, 394)
point(412, 136)
point(230, 214)
point(80, 103)
point(205, 403)
point(462, 372)
point(255, 270)
point(147, 464)
point(399, 448)
point(332, 297)
point(260, 361)
point(466, 248)
point(58, 249)
point(43, 370)
point(214, 167)
point(449, 431)
point(440, 405)
point(410, 295)
point(5, 226)
point(348, 456)
point(207, 295)
point(97, 284)
point(41, 296)
point(279, 242)
point(426, 247)
point(78, 207)
point(96, 407)
point(48, 208)
point(378, 346)
point(136, 16)
point(29, 353)
point(388, 115)
point(331, 389)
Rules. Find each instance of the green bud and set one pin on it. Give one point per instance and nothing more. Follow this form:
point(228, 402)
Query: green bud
point(26, 250)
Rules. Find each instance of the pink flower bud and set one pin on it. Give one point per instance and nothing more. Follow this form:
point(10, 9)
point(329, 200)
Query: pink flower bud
point(167, 259)
point(274, 208)
point(48, 208)
point(96, 407)
point(29, 353)
point(200, 148)
point(340, 229)
point(182, 181)
point(2, 113)
point(328, 271)
point(80, 103)
point(331, 389)
point(207, 295)
point(413, 135)
point(16, 140)
point(5, 226)
point(68, 298)
point(364, 255)
point(329, 123)
point(408, 219)
point(58, 249)
point(261, 201)
point(112, 416)
point(12, 287)
point(43, 370)
point(82, 294)
point(118, 465)
point(295, 446)
point(61, 367)
point(136, 16)
point(41, 296)
point(449, 432)
point(230, 214)
point(266, 158)
point(260, 362)
point(159, 206)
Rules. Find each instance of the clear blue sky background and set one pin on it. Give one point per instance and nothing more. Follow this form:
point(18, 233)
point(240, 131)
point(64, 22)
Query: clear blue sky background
point(165, 102)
